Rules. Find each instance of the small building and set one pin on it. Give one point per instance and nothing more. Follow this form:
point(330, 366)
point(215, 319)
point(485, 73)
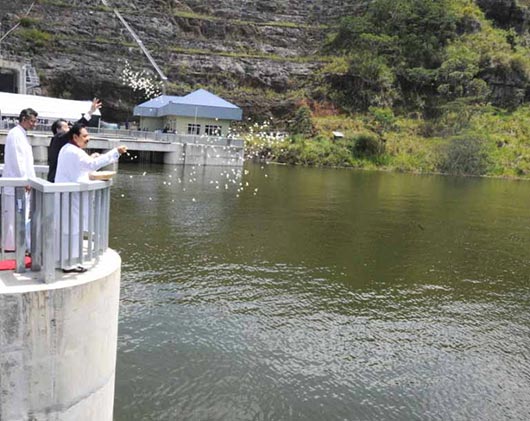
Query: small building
point(198, 113)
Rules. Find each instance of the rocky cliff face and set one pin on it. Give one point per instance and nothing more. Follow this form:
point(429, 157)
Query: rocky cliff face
point(259, 55)
point(255, 54)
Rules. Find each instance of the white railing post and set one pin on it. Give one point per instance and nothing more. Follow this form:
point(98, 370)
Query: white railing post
point(36, 233)
point(50, 249)
point(20, 229)
point(48, 236)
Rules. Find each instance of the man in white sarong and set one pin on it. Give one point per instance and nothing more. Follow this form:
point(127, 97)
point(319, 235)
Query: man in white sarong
point(18, 158)
point(75, 165)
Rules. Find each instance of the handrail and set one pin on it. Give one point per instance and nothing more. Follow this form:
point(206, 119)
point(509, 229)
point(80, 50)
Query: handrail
point(159, 136)
point(69, 223)
point(155, 136)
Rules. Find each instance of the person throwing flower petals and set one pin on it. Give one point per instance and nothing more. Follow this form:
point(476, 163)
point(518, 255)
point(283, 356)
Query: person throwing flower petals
point(75, 165)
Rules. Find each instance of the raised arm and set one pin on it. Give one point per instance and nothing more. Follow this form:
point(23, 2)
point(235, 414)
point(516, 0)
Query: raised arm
point(96, 105)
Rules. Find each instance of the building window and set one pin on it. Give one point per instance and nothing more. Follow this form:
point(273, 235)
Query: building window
point(212, 130)
point(194, 128)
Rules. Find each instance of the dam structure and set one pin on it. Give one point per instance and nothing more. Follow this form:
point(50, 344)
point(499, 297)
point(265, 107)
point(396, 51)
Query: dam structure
point(58, 331)
point(170, 148)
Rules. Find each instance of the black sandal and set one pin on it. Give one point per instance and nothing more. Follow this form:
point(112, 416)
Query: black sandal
point(77, 269)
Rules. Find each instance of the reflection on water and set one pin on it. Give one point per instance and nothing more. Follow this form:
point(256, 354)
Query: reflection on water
point(322, 295)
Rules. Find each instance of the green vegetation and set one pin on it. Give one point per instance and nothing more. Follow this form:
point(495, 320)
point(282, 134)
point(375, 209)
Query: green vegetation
point(491, 142)
point(111, 41)
point(66, 4)
point(103, 8)
point(423, 86)
point(409, 55)
point(191, 15)
point(27, 22)
point(251, 54)
point(95, 40)
point(414, 85)
point(35, 37)
point(56, 3)
point(282, 24)
point(302, 123)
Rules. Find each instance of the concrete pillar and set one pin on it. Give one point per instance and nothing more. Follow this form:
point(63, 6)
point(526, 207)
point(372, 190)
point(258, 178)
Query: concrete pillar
point(195, 154)
point(224, 155)
point(40, 154)
point(58, 344)
point(176, 157)
point(22, 81)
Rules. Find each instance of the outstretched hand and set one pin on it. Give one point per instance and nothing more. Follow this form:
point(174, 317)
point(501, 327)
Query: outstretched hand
point(96, 105)
point(122, 149)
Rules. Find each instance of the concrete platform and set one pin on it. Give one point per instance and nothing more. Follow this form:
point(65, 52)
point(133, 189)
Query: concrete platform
point(58, 343)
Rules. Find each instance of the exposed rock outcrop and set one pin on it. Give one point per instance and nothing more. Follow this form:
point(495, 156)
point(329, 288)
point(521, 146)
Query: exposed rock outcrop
point(232, 47)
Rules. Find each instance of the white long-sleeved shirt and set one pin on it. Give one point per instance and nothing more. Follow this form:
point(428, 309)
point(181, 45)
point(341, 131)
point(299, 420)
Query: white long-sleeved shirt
point(18, 155)
point(74, 164)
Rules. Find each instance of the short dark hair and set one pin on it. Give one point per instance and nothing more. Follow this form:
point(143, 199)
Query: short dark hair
point(75, 130)
point(26, 112)
point(56, 125)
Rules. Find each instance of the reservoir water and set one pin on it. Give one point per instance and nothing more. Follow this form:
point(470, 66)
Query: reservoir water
point(319, 294)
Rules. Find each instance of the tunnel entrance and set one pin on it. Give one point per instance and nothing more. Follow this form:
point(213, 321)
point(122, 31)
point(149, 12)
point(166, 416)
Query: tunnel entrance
point(8, 81)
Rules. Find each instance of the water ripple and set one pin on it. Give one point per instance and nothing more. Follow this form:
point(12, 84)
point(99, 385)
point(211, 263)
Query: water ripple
point(374, 322)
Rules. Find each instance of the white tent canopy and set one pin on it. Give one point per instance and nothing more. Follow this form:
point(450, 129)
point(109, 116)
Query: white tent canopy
point(48, 108)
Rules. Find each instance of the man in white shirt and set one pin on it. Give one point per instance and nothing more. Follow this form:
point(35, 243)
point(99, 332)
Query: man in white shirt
point(74, 165)
point(18, 162)
point(60, 137)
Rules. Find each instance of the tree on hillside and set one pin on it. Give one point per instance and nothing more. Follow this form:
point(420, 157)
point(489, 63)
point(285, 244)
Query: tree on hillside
point(425, 55)
point(392, 50)
point(302, 123)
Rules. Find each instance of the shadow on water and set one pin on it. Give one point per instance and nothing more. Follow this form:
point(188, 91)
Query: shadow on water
point(278, 293)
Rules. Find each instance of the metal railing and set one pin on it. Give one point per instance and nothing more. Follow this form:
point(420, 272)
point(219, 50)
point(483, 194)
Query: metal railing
point(156, 136)
point(159, 136)
point(8, 124)
point(69, 223)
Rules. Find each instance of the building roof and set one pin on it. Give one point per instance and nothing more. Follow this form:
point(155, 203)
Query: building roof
point(199, 103)
point(47, 107)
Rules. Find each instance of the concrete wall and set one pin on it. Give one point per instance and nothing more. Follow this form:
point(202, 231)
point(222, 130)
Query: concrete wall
point(206, 155)
point(58, 344)
point(180, 124)
point(175, 153)
point(151, 123)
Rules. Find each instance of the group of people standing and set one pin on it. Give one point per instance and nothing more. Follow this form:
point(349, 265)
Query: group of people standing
point(67, 161)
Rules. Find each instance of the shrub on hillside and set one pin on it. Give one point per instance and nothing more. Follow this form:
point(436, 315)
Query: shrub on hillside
point(302, 123)
point(464, 156)
point(367, 145)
